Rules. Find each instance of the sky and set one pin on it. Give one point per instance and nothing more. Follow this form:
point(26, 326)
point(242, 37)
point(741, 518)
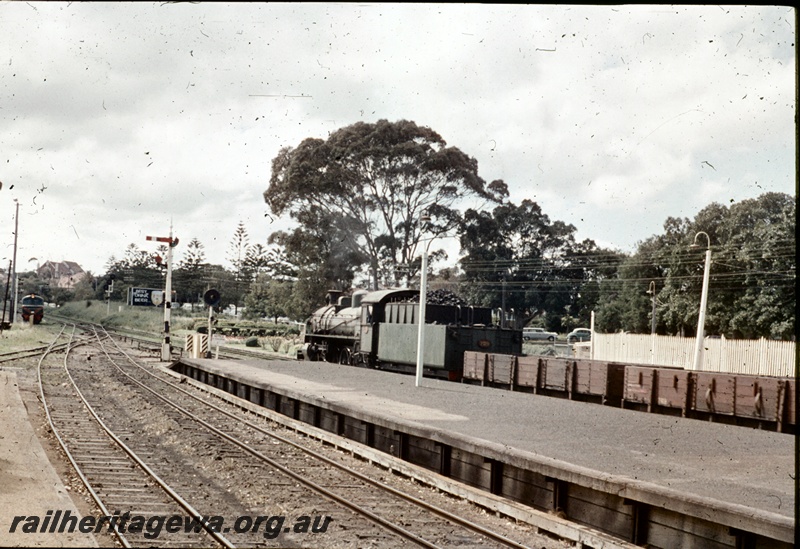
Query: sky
point(119, 120)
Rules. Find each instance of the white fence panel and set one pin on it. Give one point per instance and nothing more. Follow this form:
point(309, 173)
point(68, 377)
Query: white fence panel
point(735, 356)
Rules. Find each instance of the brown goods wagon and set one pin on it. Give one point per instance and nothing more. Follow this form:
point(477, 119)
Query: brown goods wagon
point(528, 371)
point(639, 386)
point(714, 393)
point(475, 365)
point(673, 389)
point(501, 368)
point(599, 380)
point(765, 398)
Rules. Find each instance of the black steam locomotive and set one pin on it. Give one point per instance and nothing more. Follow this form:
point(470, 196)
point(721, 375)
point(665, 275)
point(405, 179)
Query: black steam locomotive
point(379, 330)
point(32, 308)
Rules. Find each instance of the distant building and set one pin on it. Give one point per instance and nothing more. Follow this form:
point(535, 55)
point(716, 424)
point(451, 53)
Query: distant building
point(61, 274)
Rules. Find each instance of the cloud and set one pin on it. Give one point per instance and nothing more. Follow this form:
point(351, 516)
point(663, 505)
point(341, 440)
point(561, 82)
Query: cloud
point(135, 114)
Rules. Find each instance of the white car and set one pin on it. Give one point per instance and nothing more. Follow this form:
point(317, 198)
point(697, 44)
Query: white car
point(579, 334)
point(538, 334)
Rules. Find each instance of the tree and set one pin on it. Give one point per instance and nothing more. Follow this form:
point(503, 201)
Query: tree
point(137, 268)
point(256, 261)
point(759, 242)
point(309, 257)
point(752, 279)
point(189, 280)
point(516, 258)
point(372, 182)
point(269, 298)
point(84, 288)
point(238, 248)
point(237, 255)
point(623, 302)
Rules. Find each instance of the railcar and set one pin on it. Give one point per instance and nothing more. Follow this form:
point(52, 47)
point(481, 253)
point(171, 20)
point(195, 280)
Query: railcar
point(379, 330)
point(32, 308)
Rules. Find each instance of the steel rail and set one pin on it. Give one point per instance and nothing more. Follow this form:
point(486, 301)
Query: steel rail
point(309, 484)
point(98, 501)
point(172, 493)
point(140, 336)
point(151, 474)
point(397, 493)
point(33, 351)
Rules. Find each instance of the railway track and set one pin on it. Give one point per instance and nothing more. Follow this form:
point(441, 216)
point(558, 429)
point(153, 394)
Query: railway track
point(115, 476)
point(230, 468)
point(31, 352)
point(231, 455)
point(153, 343)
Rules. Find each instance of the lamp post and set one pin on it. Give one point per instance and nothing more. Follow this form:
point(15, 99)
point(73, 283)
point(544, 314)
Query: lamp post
point(701, 320)
point(423, 295)
point(652, 291)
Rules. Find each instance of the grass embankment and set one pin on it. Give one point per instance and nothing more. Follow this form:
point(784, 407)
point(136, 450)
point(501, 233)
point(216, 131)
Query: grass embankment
point(120, 316)
point(22, 336)
point(151, 319)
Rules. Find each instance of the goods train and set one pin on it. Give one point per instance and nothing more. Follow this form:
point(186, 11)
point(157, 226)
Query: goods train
point(32, 308)
point(764, 402)
point(379, 330)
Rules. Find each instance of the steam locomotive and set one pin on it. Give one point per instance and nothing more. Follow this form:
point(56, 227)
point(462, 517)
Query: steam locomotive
point(379, 330)
point(32, 308)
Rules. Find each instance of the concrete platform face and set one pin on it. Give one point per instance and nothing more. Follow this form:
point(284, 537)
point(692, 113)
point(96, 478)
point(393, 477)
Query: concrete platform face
point(29, 486)
point(672, 459)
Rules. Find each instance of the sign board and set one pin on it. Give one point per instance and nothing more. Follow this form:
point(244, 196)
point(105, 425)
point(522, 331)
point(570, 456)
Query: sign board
point(157, 297)
point(146, 297)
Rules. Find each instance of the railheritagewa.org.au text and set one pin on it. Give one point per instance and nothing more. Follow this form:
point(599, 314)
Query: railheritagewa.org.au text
point(154, 526)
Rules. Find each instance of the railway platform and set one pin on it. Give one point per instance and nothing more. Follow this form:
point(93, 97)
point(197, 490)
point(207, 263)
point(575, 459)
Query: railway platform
point(29, 486)
point(647, 479)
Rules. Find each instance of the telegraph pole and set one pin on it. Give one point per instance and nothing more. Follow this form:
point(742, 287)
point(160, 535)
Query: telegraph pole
point(14, 281)
point(166, 347)
point(652, 292)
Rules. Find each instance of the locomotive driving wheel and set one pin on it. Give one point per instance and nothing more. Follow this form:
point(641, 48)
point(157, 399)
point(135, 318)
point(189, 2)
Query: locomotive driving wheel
point(345, 356)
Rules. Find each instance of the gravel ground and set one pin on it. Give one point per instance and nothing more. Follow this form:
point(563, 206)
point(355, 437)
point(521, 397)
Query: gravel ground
point(219, 477)
point(29, 392)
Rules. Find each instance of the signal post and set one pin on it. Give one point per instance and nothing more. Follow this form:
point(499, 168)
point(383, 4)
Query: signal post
point(166, 347)
point(212, 299)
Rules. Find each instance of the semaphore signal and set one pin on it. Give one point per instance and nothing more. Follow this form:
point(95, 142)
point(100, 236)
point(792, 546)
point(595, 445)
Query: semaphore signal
point(166, 347)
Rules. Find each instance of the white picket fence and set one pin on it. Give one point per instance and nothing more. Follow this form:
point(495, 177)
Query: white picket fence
point(735, 356)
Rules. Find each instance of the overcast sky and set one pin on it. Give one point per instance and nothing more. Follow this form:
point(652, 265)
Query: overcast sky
point(116, 118)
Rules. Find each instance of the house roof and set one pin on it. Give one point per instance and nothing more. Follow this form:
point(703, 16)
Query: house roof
point(52, 269)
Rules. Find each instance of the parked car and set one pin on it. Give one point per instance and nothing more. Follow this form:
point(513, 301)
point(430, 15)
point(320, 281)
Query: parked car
point(579, 334)
point(538, 334)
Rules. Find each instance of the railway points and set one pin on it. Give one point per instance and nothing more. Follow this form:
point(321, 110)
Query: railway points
point(625, 477)
point(661, 480)
point(435, 520)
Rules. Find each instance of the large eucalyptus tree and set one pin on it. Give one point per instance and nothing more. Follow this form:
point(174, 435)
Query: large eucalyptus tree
point(372, 182)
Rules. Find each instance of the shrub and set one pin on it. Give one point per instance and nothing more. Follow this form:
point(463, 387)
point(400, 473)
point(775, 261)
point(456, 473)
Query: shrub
point(251, 341)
